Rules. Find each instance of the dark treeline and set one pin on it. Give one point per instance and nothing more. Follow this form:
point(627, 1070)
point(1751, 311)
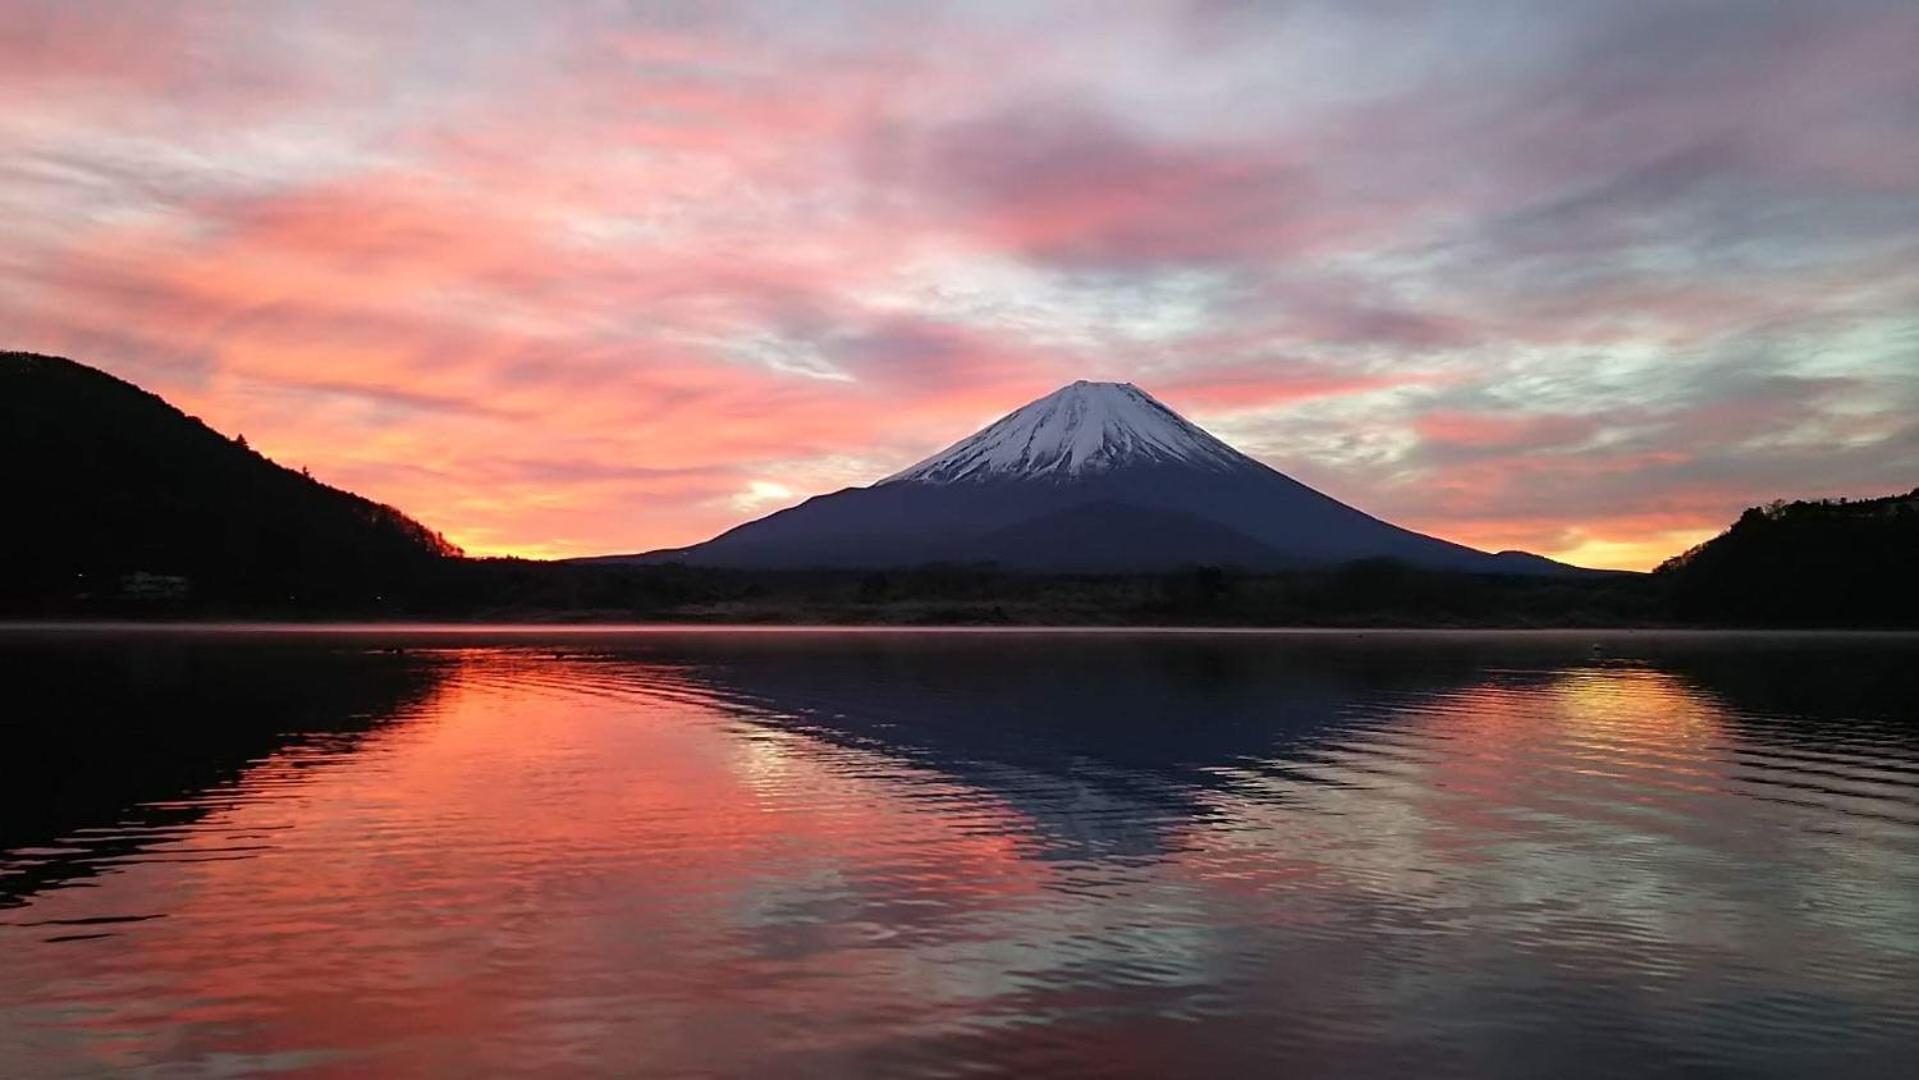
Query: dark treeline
point(1372, 592)
point(1817, 563)
point(128, 508)
point(118, 493)
point(1843, 564)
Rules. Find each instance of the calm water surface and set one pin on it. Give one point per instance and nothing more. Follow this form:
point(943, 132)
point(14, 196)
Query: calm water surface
point(821, 853)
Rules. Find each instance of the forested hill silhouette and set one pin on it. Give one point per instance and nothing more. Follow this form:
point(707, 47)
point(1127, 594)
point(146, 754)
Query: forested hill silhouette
point(114, 491)
point(1826, 562)
point(122, 505)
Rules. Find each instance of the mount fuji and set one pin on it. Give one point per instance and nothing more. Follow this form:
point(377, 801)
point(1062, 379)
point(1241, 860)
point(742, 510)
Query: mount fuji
point(1093, 478)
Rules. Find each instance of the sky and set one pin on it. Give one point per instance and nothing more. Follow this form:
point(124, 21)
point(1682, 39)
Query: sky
point(1580, 278)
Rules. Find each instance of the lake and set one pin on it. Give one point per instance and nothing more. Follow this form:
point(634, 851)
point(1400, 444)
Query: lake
point(684, 852)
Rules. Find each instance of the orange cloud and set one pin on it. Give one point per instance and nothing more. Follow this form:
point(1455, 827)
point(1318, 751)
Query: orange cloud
point(570, 282)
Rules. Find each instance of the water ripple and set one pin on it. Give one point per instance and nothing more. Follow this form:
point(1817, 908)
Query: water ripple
point(962, 855)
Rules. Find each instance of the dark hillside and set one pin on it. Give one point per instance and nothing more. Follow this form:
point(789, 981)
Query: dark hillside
point(115, 493)
point(1828, 562)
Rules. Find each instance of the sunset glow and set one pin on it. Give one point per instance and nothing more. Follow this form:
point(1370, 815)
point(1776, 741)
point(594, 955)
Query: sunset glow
point(576, 279)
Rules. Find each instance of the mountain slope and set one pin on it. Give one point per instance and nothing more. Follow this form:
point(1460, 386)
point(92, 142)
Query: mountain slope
point(1108, 537)
point(1823, 563)
point(1087, 444)
point(107, 480)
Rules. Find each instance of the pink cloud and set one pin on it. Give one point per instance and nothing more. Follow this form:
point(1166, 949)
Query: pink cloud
point(1487, 431)
point(559, 283)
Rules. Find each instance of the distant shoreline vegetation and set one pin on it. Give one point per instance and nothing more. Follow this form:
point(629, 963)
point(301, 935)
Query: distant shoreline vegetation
point(129, 509)
point(1368, 593)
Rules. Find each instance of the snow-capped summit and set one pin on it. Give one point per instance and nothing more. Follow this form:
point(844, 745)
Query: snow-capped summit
point(1085, 427)
point(1093, 477)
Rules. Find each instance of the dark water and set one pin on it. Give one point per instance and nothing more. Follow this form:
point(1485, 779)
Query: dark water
point(944, 854)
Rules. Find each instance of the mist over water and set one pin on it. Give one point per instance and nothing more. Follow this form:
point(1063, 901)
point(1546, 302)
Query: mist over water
point(941, 853)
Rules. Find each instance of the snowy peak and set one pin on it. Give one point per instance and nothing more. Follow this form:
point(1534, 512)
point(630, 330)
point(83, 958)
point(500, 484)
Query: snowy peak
point(1092, 478)
point(1087, 427)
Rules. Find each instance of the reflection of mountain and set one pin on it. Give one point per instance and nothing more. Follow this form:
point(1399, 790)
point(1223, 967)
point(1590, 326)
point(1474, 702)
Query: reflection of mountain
point(1095, 738)
point(1109, 744)
point(124, 737)
point(1198, 853)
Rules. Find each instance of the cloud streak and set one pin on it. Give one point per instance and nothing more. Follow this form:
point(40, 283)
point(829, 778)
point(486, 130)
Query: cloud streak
point(1584, 278)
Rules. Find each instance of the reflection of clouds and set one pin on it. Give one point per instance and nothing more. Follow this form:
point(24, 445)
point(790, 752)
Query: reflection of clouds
point(547, 827)
point(1600, 820)
point(851, 851)
point(1502, 772)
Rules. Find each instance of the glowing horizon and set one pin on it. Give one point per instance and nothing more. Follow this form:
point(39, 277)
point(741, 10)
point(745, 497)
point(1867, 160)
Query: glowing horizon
point(1581, 281)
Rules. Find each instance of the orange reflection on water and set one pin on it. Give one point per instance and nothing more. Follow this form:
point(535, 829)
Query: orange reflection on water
point(861, 854)
point(636, 867)
point(1513, 768)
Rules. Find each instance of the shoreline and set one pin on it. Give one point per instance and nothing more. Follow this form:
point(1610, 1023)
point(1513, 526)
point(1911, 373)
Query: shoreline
point(641, 629)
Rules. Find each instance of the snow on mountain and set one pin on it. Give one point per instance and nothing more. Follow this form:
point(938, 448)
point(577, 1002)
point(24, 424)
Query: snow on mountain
point(1087, 427)
point(1094, 477)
